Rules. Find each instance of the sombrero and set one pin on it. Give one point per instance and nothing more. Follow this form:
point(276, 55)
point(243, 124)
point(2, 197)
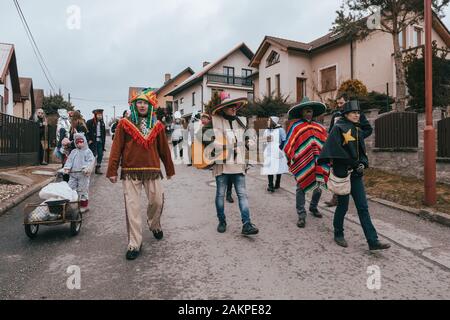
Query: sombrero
point(296, 111)
point(227, 102)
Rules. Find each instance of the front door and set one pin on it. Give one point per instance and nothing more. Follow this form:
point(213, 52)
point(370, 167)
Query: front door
point(301, 89)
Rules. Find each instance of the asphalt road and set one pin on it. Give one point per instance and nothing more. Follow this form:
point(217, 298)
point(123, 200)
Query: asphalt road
point(193, 261)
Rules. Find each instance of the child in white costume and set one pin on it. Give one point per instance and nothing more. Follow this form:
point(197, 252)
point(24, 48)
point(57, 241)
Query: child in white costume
point(80, 165)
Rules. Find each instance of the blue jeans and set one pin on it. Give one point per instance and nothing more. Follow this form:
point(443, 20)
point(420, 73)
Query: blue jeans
point(99, 146)
point(359, 197)
point(300, 201)
point(239, 185)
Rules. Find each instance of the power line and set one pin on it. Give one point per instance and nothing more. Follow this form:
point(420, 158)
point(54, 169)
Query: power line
point(93, 100)
point(35, 47)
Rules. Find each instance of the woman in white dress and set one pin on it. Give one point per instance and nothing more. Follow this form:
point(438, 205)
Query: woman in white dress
point(275, 162)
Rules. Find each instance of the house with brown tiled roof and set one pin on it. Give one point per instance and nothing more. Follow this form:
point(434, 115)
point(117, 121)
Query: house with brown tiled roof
point(316, 69)
point(9, 79)
point(229, 73)
point(170, 84)
point(26, 107)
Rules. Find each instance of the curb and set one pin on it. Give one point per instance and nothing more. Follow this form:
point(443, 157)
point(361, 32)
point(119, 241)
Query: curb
point(426, 214)
point(24, 195)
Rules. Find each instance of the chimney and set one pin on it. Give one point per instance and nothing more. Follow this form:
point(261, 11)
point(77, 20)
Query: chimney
point(167, 77)
point(205, 63)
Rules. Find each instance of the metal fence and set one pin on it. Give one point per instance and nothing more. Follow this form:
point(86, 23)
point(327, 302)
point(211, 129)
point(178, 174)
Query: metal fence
point(444, 138)
point(19, 141)
point(231, 80)
point(397, 130)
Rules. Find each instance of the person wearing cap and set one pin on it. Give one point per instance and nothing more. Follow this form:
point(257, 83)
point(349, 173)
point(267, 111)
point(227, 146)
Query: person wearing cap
point(303, 145)
point(365, 127)
point(192, 128)
point(97, 137)
point(140, 145)
point(275, 162)
point(230, 140)
point(346, 151)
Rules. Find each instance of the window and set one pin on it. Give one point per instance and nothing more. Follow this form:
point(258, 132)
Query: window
point(417, 41)
point(182, 112)
point(181, 100)
point(176, 106)
point(1, 105)
point(328, 79)
point(278, 85)
point(268, 87)
point(251, 97)
point(273, 58)
point(229, 73)
point(402, 37)
point(246, 73)
point(6, 99)
point(193, 98)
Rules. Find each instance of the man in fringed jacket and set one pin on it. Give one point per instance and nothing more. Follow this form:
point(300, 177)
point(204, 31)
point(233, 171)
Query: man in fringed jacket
point(139, 144)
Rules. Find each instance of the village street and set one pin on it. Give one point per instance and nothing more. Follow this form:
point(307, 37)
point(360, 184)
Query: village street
point(193, 261)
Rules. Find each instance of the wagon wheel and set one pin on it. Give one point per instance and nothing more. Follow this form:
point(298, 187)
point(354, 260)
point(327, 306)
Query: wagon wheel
point(31, 230)
point(75, 226)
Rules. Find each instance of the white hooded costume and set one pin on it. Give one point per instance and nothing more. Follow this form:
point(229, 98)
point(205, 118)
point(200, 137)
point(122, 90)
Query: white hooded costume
point(275, 161)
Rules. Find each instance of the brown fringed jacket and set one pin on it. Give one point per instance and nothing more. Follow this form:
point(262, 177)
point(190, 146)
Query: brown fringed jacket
point(139, 155)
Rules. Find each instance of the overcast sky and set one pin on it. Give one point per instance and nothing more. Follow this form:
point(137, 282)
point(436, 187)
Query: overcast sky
point(135, 42)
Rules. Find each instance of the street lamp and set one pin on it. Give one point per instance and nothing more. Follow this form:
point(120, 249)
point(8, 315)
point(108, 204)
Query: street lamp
point(429, 132)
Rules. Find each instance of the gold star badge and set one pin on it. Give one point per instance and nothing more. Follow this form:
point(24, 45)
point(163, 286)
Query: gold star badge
point(348, 137)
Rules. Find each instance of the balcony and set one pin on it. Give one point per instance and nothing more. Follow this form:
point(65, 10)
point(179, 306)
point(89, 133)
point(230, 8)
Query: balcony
point(229, 80)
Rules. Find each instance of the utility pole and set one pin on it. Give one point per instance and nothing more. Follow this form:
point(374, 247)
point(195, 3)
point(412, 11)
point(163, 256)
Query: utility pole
point(429, 132)
point(114, 107)
point(69, 97)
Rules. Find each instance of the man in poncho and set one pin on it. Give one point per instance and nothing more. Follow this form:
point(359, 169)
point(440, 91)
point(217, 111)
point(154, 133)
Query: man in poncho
point(303, 145)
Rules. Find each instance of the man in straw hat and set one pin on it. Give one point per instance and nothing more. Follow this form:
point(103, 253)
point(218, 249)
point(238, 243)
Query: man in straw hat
point(229, 132)
point(303, 145)
point(140, 144)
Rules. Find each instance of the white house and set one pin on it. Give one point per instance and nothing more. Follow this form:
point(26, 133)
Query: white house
point(316, 69)
point(230, 73)
point(9, 79)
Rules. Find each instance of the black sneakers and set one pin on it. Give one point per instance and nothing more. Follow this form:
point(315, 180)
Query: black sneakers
point(230, 199)
point(341, 241)
point(249, 229)
point(301, 223)
point(315, 213)
point(158, 234)
point(379, 246)
point(222, 227)
point(132, 254)
point(271, 189)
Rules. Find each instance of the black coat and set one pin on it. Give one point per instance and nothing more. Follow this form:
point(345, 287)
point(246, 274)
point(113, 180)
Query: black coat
point(345, 148)
point(92, 134)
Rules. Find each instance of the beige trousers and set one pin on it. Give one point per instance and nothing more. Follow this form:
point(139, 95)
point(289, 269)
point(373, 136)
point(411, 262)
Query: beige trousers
point(132, 192)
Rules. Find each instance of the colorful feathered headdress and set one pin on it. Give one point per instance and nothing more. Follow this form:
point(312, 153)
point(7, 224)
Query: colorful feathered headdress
point(149, 96)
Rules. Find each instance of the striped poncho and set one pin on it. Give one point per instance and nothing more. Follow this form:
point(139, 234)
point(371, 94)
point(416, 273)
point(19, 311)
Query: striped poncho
point(303, 146)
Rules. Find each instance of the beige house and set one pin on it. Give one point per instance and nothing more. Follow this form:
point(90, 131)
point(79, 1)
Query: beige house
point(9, 79)
point(170, 84)
point(316, 69)
point(230, 73)
point(26, 107)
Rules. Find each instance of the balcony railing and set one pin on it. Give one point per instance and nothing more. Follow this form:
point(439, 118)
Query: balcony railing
point(230, 80)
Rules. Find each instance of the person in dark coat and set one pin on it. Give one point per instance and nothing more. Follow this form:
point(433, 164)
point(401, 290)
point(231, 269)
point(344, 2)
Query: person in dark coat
point(97, 137)
point(40, 118)
point(365, 127)
point(346, 151)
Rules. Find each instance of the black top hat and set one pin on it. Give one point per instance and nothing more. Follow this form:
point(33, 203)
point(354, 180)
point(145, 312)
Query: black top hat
point(97, 111)
point(351, 106)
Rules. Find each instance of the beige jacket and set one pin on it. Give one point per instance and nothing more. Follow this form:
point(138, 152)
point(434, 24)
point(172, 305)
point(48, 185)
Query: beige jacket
point(234, 136)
